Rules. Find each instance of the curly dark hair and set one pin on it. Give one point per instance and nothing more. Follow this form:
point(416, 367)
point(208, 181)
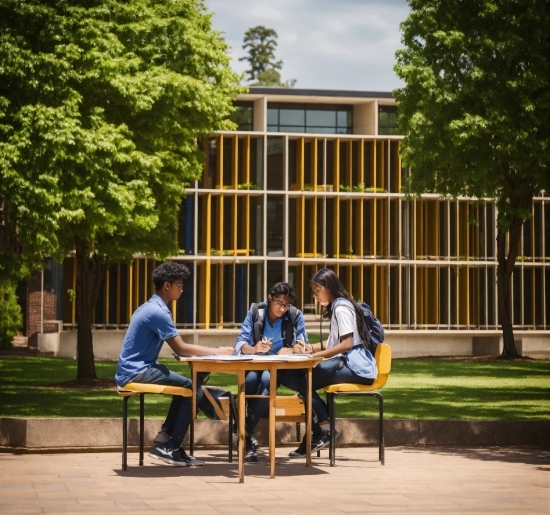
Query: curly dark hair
point(170, 272)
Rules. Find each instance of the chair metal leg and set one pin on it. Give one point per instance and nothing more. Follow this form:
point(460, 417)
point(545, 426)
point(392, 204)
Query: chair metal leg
point(124, 432)
point(141, 426)
point(332, 416)
point(381, 421)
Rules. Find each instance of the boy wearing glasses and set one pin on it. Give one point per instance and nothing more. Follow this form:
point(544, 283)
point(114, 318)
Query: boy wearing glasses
point(151, 325)
point(273, 327)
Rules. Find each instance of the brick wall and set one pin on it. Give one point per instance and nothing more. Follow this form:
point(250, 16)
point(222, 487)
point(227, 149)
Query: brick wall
point(34, 312)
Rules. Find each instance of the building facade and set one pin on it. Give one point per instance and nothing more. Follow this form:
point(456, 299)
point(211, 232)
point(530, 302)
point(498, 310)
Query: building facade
point(313, 179)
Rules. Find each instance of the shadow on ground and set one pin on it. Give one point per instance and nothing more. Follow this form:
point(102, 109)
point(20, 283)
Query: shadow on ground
point(217, 465)
point(505, 454)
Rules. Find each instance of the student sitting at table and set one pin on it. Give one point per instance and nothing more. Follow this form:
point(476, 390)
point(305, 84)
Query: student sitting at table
point(150, 326)
point(271, 327)
point(348, 359)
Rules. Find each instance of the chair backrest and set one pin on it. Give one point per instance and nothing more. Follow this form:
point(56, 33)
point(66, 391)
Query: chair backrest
point(383, 363)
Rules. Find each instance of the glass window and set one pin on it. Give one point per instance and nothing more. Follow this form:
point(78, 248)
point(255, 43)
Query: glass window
point(272, 117)
point(320, 118)
point(291, 128)
point(322, 130)
point(343, 119)
point(291, 117)
point(309, 118)
point(387, 120)
point(275, 163)
point(243, 116)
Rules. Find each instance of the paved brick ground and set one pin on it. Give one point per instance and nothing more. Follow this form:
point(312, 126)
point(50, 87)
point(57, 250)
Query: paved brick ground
point(414, 480)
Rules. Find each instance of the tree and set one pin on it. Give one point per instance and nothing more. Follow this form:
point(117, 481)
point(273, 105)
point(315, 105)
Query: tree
point(475, 110)
point(102, 104)
point(261, 43)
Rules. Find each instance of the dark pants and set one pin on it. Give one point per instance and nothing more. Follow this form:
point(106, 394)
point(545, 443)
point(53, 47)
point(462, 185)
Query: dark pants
point(179, 414)
point(330, 371)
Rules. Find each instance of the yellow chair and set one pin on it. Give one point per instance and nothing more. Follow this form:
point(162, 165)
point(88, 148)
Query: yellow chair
point(383, 363)
point(141, 389)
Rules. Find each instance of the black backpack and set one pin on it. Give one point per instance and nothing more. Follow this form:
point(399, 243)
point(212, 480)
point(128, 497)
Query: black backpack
point(287, 327)
point(375, 330)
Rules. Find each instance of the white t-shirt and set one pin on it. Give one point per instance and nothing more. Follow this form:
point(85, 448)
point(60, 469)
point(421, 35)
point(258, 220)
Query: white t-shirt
point(342, 323)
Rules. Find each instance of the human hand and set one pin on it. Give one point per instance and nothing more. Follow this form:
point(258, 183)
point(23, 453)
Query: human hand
point(301, 347)
point(224, 351)
point(263, 346)
point(286, 350)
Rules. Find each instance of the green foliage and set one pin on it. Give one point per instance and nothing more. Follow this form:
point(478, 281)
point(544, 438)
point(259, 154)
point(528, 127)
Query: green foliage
point(101, 108)
point(216, 252)
point(11, 317)
point(261, 42)
point(248, 186)
point(476, 103)
point(102, 105)
point(359, 188)
point(497, 390)
point(475, 112)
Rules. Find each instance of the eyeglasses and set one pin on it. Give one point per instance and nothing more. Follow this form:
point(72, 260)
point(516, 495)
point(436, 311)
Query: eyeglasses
point(316, 292)
point(180, 285)
point(280, 305)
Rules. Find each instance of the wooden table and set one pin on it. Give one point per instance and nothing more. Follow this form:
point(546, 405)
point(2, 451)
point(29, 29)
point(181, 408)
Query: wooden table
point(231, 365)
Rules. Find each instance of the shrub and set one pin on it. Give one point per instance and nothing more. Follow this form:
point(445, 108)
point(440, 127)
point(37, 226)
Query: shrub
point(11, 316)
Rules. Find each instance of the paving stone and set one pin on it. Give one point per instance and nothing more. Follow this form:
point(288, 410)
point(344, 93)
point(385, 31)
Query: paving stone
point(426, 480)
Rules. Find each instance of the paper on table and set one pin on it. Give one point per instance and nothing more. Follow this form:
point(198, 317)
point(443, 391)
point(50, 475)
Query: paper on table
point(214, 357)
point(280, 357)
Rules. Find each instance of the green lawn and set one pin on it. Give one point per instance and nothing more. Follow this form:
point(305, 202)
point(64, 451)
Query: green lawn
point(499, 390)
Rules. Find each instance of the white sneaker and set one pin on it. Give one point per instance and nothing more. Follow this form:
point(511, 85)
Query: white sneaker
point(161, 438)
point(190, 460)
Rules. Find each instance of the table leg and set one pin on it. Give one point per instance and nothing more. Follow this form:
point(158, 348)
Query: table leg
point(193, 411)
point(308, 417)
point(272, 413)
point(242, 416)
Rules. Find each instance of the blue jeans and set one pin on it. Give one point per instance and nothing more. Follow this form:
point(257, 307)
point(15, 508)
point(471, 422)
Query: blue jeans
point(330, 371)
point(256, 383)
point(179, 414)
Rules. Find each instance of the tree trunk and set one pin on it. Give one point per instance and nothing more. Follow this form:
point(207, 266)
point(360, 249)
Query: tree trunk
point(89, 276)
point(506, 266)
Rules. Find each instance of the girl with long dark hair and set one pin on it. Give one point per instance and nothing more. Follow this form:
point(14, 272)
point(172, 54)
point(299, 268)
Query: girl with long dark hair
point(349, 359)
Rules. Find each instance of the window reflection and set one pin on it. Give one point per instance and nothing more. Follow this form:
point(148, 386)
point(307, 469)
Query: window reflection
point(309, 118)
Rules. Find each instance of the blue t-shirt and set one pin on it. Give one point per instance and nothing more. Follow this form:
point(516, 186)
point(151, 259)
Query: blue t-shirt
point(274, 332)
point(246, 336)
point(151, 324)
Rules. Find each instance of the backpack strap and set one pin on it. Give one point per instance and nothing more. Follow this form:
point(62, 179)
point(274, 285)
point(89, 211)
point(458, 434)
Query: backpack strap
point(257, 321)
point(287, 327)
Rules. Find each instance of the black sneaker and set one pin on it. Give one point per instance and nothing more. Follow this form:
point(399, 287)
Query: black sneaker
point(169, 455)
point(191, 460)
point(251, 456)
point(322, 441)
point(300, 452)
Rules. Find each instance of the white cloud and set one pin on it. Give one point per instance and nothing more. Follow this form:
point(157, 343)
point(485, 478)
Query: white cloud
point(347, 45)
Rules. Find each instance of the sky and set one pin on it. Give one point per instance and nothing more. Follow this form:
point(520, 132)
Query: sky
point(324, 44)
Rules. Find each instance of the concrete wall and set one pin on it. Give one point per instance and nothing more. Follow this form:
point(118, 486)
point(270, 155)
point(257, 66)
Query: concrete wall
point(81, 434)
point(404, 343)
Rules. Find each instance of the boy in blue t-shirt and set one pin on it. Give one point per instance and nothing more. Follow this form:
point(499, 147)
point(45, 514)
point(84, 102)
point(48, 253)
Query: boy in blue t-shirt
point(150, 326)
point(275, 320)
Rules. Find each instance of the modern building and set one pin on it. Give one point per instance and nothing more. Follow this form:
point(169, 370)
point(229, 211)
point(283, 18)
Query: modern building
point(313, 178)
